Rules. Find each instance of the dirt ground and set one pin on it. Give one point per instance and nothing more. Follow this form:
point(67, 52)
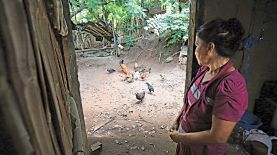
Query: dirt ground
point(112, 113)
point(129, 127)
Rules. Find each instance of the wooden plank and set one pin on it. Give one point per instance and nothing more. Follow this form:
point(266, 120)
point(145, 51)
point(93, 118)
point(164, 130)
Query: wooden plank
point(72, 74)
point(12, 119)
point(23, 76)
point(93, 49)
point(43, 32)
point(53, 77)
point(62, 92)
point(46, 100)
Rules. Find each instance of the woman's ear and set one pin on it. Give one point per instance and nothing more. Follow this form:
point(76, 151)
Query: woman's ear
point(211, 48)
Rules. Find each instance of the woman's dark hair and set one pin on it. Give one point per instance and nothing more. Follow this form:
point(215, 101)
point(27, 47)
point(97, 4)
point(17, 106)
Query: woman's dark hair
point(225, 34)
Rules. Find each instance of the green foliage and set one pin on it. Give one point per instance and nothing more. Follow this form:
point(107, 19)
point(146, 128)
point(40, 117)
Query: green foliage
point(165, 3)
point(127, 16)
point(150, 4)
point(116, 12)
point(173, 25)
point(130, 41)
point(134, 9)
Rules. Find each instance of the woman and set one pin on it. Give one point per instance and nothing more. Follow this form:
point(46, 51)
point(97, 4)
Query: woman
point(217, 97)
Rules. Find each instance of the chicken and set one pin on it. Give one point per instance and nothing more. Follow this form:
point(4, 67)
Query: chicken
point(140, 96)
point(148, 70)
point(124, 68)
point(139, 69)
point(121, 61)
point(111, 70)
point(150, 88)
point(136, 75)
point(162, 76)
point(130, 80)
point(143, 75)
point(135, 65)
point(128, 75)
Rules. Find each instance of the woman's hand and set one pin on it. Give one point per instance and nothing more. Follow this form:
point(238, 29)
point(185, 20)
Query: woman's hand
point(174, 126)
point(176, 136)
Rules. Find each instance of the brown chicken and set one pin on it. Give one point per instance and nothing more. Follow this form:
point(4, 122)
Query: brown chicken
point(145, 72)
point(144, 75)
point(124, 68)
point(129, 76)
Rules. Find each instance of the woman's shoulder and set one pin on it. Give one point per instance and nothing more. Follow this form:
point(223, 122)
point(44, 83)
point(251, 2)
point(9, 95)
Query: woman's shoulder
point(233, 82)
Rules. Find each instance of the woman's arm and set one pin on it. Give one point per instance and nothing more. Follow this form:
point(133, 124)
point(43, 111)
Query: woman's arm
point(175, 123)
point(219, 133)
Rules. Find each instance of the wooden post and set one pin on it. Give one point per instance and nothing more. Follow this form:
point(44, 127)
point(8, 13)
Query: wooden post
point(196, 18)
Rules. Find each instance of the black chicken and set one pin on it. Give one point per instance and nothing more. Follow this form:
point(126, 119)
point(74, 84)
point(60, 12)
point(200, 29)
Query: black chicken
point(111, 70)
point(140, 96)
point(150, 87)
point(121, 61)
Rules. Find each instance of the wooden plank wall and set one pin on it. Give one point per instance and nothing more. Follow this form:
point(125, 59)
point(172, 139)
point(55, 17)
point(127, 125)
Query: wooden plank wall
point(38, 73)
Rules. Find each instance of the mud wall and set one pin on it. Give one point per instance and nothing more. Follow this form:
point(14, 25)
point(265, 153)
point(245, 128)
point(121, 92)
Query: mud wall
point(254, 16)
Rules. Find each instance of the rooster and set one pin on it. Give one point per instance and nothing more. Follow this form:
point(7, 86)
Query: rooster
point(123, 67)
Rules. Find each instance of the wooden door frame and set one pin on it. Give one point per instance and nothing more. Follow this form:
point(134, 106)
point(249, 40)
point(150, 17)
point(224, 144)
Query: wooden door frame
point(196, 19)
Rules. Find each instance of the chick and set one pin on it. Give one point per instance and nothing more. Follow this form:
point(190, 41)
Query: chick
point(162, 76)
point(111, 70)
point(135, 65)
point(148, 69)
point(140, 96)
point(150, 88)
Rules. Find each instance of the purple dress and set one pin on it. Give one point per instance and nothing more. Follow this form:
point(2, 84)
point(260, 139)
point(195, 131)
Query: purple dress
point(229, 102)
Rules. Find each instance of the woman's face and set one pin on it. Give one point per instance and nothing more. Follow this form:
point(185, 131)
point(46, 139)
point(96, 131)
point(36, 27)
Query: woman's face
point(202, 52)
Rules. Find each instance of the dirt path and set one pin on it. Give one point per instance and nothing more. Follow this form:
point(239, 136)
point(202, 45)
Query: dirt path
point(130, 128)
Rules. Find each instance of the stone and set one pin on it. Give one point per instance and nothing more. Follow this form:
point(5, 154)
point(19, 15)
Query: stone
point(163, 127)
point(134, 147)
point(168, 59)
point(96, 146)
